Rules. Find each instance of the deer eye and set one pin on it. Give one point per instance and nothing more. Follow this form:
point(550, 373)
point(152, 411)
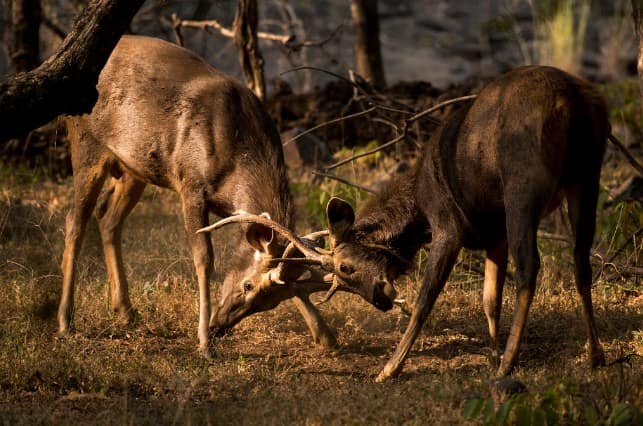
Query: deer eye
point(345, 269)
point(247, 286)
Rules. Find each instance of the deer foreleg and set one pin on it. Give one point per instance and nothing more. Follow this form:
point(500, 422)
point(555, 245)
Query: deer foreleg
point(196, 217)
point(322, 334)
point(444, 251)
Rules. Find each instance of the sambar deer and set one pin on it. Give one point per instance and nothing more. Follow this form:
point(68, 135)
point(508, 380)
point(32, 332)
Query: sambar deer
point(165, 117)
point(485, 180)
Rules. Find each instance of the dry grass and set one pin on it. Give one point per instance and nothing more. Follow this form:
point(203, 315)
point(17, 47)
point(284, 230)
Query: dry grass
point(268, 371)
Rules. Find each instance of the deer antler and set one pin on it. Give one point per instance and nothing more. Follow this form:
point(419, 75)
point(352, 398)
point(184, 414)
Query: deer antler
point(314, 255)
point(331, 291)
point(290, 249)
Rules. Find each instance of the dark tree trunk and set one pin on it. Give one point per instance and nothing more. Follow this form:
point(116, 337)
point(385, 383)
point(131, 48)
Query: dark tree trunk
point(368, 53)
point(637, 15)
point(24, 43)
point(245, 37)
point(66, 82)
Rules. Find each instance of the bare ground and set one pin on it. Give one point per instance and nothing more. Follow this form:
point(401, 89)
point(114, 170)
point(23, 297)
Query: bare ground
point(269, 371)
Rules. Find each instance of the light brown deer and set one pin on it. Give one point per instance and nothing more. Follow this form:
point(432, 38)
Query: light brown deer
point(165, 117)
point(489, 175)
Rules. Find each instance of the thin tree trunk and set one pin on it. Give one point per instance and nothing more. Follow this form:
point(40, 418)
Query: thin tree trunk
point(24, 43)
point(66, 82)
point(245, 37)
point(637, 16)
point(368, 53)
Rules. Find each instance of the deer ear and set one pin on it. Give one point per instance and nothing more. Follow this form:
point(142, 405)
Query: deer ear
point(340, 216)
point(260, 237)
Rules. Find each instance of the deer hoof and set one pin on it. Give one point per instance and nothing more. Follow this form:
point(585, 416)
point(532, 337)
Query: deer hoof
point(207, 353)
point(504, 387)
point(127, 316)
point(326, 341)
point(386, 374)
point(63, 334)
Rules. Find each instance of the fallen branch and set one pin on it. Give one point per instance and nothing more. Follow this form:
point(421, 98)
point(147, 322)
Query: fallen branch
point(344, 181)
point(630, 158)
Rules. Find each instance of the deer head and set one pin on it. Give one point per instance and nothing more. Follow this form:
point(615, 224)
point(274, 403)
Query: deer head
point(365, 269)
point(262, 280)
point(265, 273)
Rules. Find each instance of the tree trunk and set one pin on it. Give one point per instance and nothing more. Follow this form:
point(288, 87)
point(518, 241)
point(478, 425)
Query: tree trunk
point(24, 43)
point(637, 15)
point(66, 82)
point(245, 37)
point(368, 53)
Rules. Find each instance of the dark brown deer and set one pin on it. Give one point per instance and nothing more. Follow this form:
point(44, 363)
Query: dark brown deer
point(489, 175)
point(164, 117)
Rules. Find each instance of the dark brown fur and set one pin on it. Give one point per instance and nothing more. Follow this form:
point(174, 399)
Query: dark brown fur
point(485, 180)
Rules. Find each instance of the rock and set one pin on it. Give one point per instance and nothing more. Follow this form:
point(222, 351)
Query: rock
point(304, 152)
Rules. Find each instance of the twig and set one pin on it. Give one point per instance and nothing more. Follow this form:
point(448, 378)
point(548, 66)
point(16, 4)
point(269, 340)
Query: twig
point(627, 359)
point(336, 120)
point(405, 129)
point(625, 244)
point(441, 105)
point(344, 181)
point(227, 32)
point(365, 153)
point(626, 153)
point(334, 74)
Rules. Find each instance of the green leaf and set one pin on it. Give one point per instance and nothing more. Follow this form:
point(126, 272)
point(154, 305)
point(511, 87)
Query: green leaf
point(472, 407)
point(503, 413)
point(620, 416)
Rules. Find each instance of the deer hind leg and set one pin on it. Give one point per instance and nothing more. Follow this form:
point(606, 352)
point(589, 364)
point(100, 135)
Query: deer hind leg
point(444, 251)
point(195, 216)
point(522, 226)
point(322, 334)
point(494, 280)
point(87, 186)
point(114, 204)
point(581, 202)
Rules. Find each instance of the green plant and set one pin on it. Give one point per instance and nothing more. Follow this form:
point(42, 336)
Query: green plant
point(559, 30)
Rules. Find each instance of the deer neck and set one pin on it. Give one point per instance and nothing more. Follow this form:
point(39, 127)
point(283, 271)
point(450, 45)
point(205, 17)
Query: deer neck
point(393, 219)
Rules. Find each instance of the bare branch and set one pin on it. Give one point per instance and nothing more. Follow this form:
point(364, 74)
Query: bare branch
point(336, 120)
point(366, 153)
point(405, 130)
point(344, 181)
point(626, 153)
point(440, 105)
point(227, 32)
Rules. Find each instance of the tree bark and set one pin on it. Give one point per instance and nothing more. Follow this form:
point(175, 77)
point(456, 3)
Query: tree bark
point(368, 53)
point(245, 37)
point(66, 82)
point(24, 44)
point(637, 16)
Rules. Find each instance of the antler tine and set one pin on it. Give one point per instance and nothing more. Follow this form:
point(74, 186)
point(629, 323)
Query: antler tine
point(262, 220)
point(290, 249)
point(331, 292)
